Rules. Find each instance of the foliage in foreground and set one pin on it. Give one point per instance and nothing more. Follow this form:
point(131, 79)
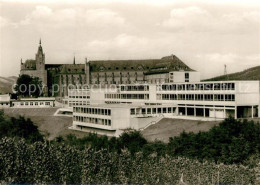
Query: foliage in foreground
point(19, 127)
point(42, 162)
point(232, 141)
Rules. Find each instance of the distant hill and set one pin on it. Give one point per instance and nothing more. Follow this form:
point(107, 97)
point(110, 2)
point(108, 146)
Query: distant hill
point(248, 74)
point(6, 84)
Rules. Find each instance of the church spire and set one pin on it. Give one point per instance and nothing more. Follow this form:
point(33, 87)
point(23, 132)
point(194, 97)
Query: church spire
point(21, 61)
point(74, 60)
point(40, 47)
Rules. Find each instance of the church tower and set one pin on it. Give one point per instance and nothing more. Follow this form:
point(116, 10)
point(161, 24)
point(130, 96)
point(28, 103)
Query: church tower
point(40, 68)
point(40, 58)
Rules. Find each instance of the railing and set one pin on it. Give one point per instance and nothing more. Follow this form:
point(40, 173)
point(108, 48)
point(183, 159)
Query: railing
point(161, 116)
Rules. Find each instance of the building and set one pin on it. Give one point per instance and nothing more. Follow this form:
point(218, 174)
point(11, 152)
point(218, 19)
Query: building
point(136, 106)
point(57, 78)
point(41, 102)
point(4, 100)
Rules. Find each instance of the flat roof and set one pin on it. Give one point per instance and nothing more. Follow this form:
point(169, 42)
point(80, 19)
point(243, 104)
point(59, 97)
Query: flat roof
point(37, 99)
point(5, 98)
point(128, 106)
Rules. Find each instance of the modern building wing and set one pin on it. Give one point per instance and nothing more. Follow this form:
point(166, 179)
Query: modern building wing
point(138, 105)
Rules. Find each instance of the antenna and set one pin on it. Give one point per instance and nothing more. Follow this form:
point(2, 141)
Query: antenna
point(225, 71)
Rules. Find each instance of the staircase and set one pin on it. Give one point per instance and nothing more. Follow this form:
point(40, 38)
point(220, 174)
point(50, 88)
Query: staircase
point(153, 122)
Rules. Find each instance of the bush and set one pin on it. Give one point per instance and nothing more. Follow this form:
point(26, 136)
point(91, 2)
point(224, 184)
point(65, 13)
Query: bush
point(19, 127)
point(233, 141)
point(42, 162)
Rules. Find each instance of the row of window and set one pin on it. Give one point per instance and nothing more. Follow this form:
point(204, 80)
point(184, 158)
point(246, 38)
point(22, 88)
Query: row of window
point(73, 103)
point(191, 87)
point(197, 97)
point(125, 68)
point(135, 88)
point(92, 120)
point(127, 96)
point(34, 103)
point(158, 110)
point(84, 97)
point(76, 70)
point(157, 80)
point(92, 111)
point(4, 103)
point(114, 82)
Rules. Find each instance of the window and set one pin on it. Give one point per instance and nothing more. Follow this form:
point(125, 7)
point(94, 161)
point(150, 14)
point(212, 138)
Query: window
point(181, 87)
point(31, 103)
point(164, 110)
point(190, 97)
point(181, 96)
point(187, 77)
point(219, 97)
point(217, 86)
point(208, 97)
point(198, 96)
point(208, 86)
point(229, 97)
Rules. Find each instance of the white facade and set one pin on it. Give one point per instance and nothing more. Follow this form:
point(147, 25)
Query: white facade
point(43, 102)
point(200, 100)
point(184, 76)
point(4, 100)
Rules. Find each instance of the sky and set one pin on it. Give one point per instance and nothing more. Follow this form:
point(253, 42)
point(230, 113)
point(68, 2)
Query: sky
point(204, 34)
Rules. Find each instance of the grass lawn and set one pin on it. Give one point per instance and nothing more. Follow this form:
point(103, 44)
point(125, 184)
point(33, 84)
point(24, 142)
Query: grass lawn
point(49, 125)
point(173, 127)
point(53, 126)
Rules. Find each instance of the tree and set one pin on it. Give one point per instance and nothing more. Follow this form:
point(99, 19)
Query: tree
point(29, 86)
point(19, 127)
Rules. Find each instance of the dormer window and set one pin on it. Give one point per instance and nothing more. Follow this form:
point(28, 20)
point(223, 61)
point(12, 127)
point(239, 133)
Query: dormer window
point(116, 68)
point(101, 68)
point(124, 68)
point(69, 70)
point(140, 68)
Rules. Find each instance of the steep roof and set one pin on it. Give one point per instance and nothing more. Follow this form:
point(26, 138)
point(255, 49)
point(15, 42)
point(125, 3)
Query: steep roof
point(30, 64)
point(166, 64)
point(73, 69)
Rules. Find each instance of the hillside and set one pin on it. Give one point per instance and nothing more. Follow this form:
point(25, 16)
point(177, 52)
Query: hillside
point(174, 127)
point(49, 125)
point(6, 84)
point(248, 74)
